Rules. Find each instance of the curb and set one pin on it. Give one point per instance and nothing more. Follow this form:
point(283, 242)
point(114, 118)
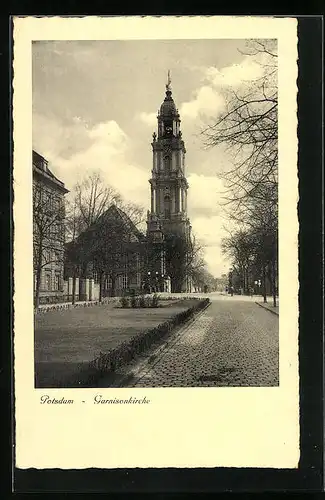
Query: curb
point(267, 308)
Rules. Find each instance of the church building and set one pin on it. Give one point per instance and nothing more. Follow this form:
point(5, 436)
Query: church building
point(168, 225)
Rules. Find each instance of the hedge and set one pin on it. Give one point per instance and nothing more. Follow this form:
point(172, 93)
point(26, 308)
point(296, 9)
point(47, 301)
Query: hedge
point(109, 362)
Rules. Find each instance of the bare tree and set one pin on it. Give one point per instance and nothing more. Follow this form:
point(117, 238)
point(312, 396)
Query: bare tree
point(240, 247)
point(253, 253)
point(248, 129)
point(48, 231)
point(184, 257)
point(89, 199)
point(94, 237)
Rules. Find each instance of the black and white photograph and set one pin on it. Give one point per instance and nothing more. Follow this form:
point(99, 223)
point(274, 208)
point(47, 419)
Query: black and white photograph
point(155, 213)
point(155, 242)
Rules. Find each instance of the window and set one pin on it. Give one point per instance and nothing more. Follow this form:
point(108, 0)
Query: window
point(48, 284)
point(57, 282)
point(56, 203)
point(124, 281)
point(137, 257)
point(45, 165)
point(167, 206)
point(167, 164)
point(47, 256)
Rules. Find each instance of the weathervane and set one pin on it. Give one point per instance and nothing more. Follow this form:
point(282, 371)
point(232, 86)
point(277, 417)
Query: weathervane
point(168, 81)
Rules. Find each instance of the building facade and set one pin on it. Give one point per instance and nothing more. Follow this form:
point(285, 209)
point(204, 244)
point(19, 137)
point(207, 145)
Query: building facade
point(168, 225)
point(107, 259)
point(48, 232)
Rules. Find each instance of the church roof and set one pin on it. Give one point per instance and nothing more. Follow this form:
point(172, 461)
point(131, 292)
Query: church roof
point(114, 213)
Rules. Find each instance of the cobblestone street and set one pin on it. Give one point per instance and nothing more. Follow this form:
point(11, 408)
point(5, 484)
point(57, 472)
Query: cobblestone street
point(233, 343)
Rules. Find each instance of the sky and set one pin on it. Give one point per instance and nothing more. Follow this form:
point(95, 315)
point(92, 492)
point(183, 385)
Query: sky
point(95, 105)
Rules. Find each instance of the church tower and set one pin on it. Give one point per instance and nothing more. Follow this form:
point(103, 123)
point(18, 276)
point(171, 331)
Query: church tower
point(167, 219)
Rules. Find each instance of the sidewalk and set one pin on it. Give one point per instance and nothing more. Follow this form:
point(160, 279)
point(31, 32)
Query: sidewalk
point(269, 306)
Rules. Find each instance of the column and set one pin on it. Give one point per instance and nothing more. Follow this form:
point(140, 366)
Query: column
point(154, 210)
point(70, 286)
point(179, 159)
point(183, 200)
point(82, 289)
point(173, 198)
point(77, 289)
point(91, 289)
point(173, 162)
point(180, 199)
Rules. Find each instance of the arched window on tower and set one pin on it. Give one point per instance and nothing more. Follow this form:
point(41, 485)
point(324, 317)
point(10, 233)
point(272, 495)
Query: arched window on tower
point(167, 164)
point(167, 206)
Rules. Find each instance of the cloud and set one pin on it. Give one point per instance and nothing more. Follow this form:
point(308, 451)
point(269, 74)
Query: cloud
point(204, 193)
point(111, 133)
point(208, 98)
point(58, 139)
point(107, 151)
point(207, 222)
point(148, 118)
point(206, 101)
point(235, 75)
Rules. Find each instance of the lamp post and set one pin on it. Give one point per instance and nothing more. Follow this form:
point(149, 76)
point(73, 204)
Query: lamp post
point(149, 281)
point(155, 280)
point(258, 283)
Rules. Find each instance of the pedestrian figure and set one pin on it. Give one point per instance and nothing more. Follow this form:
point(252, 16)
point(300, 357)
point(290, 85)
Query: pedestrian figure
point(251, 291)
point(231, 291)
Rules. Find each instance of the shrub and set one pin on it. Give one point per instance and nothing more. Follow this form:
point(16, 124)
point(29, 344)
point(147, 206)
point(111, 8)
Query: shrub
point(142, 301)
point(155, 300)
point(147, 301)
point(133, 301)
point(124, 302)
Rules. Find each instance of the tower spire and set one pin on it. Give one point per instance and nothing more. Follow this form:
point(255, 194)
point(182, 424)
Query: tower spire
point(169, 81)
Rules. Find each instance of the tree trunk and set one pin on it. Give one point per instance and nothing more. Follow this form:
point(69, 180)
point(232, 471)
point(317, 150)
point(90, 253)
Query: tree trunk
point(38, 276)
point(273, 283)
point(100, 298)
point(246, 284)
point(264, 284)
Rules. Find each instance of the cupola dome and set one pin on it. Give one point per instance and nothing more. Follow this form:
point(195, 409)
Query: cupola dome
point(168, 107)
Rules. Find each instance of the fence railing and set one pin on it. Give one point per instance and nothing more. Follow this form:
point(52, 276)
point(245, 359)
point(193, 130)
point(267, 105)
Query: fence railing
point(57, 299)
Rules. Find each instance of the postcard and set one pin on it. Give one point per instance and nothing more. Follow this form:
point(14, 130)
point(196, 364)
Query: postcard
point(155, 242)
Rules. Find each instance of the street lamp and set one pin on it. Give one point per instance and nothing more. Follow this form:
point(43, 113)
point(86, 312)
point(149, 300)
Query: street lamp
point(258, 283)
